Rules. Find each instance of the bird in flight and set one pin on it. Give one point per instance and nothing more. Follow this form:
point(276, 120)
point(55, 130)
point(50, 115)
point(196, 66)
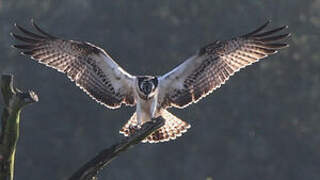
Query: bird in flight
point(97, 74)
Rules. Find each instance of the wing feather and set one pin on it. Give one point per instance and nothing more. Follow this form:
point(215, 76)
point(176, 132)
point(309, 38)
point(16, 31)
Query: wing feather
point(90, 67)
point(213, 65)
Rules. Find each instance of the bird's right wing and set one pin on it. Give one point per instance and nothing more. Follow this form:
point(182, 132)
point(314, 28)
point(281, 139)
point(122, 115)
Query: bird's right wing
point(89, 66)
point(214, 64)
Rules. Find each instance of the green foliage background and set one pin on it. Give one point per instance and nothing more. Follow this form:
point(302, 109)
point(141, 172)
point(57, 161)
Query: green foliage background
point(263, 124)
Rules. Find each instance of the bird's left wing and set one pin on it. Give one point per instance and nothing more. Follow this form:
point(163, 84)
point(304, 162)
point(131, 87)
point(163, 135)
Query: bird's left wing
point(214, 64)
point(89, 66)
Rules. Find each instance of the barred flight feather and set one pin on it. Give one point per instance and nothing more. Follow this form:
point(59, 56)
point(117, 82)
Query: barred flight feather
point(95, 72)
point(87, 65)
point(214, 64)
point(173, 128)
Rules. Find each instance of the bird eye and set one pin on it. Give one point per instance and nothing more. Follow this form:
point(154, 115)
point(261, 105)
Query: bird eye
point(141, 86)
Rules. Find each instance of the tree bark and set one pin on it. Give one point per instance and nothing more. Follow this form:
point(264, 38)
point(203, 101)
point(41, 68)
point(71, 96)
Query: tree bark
point(89, 170)
point(14, 101)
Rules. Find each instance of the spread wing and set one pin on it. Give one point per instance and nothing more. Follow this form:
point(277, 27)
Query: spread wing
point(89, 66)
point(214, 64)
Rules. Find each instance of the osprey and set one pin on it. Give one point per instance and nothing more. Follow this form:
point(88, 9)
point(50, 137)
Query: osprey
point(97, 74)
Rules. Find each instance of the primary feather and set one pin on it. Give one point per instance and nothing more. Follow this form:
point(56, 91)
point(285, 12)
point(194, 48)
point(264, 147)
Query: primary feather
point(89, 66)
point(95, 72)
point(214, 64)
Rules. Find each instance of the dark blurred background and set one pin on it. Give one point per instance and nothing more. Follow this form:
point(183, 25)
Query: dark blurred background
point(264, 123)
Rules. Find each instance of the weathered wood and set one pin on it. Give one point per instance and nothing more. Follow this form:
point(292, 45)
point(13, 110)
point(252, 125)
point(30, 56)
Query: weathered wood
point(89, 170)
point(14, 101)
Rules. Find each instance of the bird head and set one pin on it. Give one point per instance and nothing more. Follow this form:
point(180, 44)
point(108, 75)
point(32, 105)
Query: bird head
point(147, 86)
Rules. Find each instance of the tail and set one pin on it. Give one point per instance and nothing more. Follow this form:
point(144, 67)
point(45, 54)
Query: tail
point(173, 128)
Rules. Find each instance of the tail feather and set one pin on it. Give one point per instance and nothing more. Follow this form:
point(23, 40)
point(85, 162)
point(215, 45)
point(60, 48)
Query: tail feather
point(173, 128)
point(132, 122)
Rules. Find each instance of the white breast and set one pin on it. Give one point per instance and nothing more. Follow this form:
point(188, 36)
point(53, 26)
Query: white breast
point(146, 110)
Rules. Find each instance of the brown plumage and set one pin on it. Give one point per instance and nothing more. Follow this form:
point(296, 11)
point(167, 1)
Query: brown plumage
point(215, 63)
point(95, 72)
point(173, 128)
point(90, 67)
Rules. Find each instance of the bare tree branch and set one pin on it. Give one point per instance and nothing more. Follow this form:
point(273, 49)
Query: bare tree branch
point(89, 171)
point(14, 101)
